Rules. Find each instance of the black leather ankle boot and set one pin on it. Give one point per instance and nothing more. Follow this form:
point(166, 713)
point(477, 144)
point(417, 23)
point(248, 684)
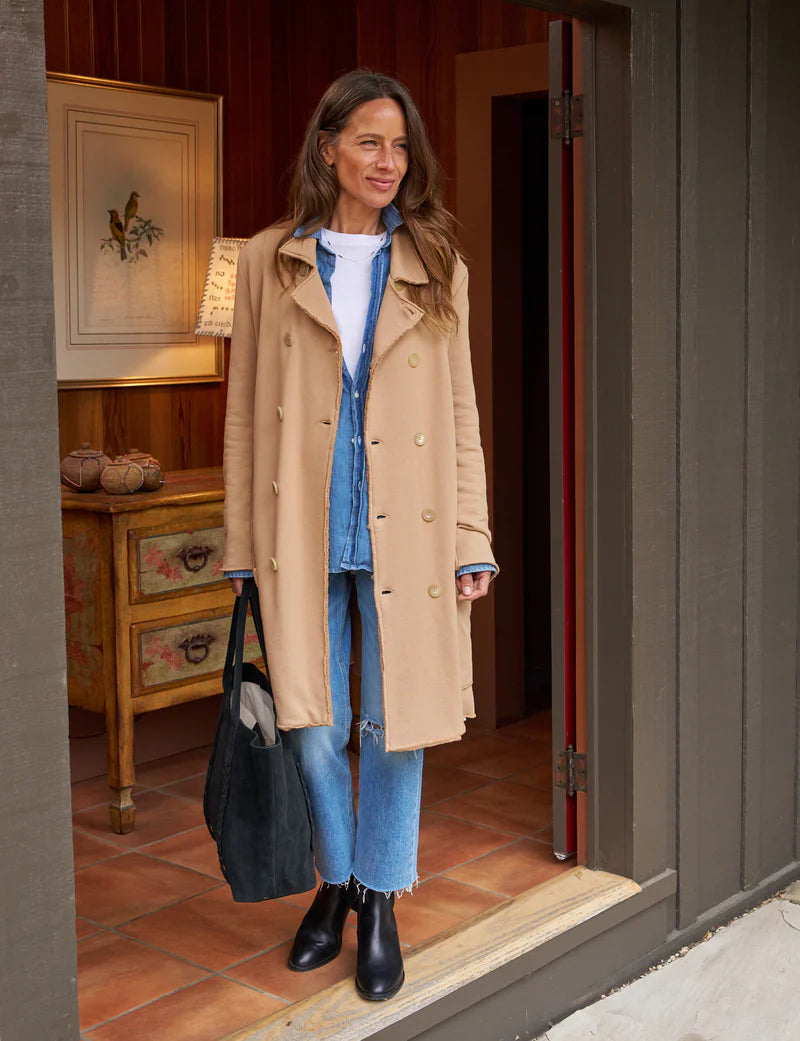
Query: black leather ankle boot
point(319, 938)
point(379, 972)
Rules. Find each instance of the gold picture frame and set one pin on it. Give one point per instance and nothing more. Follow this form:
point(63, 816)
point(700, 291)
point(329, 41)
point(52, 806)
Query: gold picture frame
point(136, 194)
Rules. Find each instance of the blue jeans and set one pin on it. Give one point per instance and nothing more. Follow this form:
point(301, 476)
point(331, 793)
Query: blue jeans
point(379, 845)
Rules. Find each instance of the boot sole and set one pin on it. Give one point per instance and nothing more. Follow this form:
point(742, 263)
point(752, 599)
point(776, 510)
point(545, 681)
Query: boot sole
point(368, 996)
point(316, 965)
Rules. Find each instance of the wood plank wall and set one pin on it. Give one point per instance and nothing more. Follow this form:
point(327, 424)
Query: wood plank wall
point(271, 60)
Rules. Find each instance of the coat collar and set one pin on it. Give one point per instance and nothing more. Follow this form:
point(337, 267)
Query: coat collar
point(397, 314)
point(405, 263)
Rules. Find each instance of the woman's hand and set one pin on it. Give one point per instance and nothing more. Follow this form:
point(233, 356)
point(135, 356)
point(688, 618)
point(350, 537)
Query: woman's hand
point(238, 585)
point(473, 586)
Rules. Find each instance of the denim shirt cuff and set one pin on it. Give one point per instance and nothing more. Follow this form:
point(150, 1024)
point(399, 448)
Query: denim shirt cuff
point(470, 568)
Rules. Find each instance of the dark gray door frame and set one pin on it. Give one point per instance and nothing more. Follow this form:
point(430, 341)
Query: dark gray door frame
point(631, 169)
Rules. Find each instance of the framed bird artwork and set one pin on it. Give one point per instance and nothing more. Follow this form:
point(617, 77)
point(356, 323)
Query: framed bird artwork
point(135, 184)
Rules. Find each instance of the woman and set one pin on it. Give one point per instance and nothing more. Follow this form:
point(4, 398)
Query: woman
point(353, 464)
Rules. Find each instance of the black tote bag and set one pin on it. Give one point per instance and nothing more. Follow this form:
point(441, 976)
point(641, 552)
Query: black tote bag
point(254, 802)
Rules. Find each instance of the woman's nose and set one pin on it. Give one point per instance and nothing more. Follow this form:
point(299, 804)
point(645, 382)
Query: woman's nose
point(385, 158)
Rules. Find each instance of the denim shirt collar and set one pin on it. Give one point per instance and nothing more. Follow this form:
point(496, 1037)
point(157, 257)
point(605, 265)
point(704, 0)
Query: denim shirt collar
point(390, 215)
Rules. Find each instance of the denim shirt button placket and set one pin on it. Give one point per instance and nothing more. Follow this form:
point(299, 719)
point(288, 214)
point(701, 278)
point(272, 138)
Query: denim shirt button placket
point(349, 542)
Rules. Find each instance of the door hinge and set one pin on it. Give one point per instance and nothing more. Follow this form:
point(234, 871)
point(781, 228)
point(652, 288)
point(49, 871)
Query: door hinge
point(566, 117)
point(571, 771)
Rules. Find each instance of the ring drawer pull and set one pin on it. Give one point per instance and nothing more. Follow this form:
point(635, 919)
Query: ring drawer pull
point(195, 648)
point(194, 558)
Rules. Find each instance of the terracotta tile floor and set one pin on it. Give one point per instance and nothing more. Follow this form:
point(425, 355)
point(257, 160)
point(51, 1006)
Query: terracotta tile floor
point(164, 952)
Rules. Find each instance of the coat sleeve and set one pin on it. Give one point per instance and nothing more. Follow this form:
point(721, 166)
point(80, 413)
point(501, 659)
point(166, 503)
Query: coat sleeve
point(237, 463)
point(473, 538)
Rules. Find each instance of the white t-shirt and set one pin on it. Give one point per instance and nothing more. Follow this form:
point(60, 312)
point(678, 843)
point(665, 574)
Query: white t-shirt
point(350, 288)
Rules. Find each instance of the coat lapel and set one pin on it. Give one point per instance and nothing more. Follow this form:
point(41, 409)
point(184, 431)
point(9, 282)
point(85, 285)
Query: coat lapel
point(398, 314)
point(307, 290)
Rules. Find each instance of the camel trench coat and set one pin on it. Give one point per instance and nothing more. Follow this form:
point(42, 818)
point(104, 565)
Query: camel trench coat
point(426, 484)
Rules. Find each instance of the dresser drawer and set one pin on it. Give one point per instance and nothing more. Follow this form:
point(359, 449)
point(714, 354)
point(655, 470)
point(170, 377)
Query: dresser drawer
point(164, 564)
point(167, 653)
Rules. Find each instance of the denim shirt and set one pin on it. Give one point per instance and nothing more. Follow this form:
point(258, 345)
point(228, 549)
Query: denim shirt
point(349, 546)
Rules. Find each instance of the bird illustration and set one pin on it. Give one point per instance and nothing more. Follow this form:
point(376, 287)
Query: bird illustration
point(131, 208)
point(117, 233)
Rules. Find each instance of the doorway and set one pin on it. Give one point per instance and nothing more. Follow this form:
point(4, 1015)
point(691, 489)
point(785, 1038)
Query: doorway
point(108, 54)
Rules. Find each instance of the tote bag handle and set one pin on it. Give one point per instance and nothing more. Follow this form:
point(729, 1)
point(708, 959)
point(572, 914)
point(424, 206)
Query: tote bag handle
point(234, 659)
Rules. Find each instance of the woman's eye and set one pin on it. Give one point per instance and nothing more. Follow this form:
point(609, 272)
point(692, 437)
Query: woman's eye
point(403, 146)
point(369, 141)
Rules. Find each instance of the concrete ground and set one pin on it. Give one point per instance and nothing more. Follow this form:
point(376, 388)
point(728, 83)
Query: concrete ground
point(742, 983)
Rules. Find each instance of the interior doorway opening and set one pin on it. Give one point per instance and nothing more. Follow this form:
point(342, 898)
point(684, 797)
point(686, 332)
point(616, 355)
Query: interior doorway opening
point(520, 371)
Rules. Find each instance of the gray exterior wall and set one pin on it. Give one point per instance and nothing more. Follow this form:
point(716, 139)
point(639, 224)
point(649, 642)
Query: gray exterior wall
point(37, 912)
point(738, 438)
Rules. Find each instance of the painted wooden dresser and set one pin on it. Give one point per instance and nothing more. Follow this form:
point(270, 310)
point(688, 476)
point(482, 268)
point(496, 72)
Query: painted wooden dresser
point(147, 608)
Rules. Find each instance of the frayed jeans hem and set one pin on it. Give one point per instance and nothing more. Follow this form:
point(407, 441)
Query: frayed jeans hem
point(346, 882)
point(362, 887)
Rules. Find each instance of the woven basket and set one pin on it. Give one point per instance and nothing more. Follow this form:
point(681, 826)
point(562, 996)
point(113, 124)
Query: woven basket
point(122, 478)
point(81, 469)
point(153, 475)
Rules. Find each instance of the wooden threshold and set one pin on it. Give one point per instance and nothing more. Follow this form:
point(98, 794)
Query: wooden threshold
point(450, 962)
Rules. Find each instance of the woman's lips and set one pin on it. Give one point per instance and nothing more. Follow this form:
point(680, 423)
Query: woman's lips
point(382, 186)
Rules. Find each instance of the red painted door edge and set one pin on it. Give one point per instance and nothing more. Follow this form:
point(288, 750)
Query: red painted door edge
point(579, 29)
point(564, 718)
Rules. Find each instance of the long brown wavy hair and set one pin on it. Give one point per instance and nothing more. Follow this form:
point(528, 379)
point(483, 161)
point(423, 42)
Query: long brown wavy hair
point(315, 188)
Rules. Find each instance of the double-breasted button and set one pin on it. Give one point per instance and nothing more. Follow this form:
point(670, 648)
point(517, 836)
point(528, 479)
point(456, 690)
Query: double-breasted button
point(288, 338)
point(275, 487)
point(434, 590)
point(413, 360)
point(280, 413)
point(274, 563)
point(419, 439)
point(304, 269)
point(428, 514)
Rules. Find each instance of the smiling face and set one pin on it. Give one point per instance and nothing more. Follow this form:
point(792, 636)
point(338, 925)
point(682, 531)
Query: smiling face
point(370, 155)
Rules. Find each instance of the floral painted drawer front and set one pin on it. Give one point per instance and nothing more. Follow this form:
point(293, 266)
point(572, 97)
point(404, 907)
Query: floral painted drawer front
point(178, 653)
point(180, 560)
